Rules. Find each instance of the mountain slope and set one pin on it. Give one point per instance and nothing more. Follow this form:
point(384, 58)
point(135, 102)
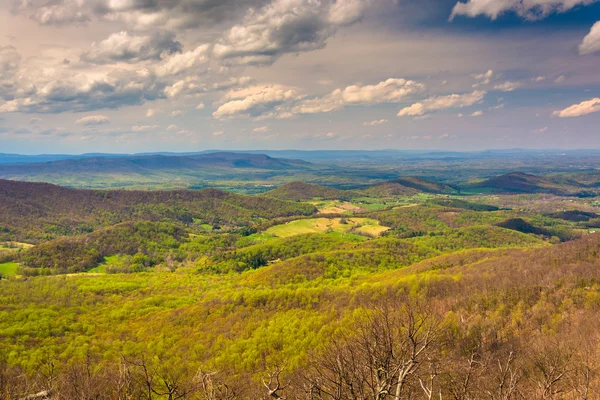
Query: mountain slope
point(518, 182)
point(38, 211)
point(408, 186)
point(300, 191)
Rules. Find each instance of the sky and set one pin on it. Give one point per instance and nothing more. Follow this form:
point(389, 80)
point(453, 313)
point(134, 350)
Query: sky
point(126, 76)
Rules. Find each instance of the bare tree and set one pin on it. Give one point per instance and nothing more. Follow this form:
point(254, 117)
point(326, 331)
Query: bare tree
point(273, 385)
point(380, 358)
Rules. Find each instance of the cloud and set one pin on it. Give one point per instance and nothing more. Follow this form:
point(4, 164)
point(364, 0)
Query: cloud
point(189, 86)
point(392, 90)
point(10, 62)
point(477, 114)
point(560, 79)
point(92, 120)
point(138, 13)
point(330, 135)
point(541, 130)
point(200, 106)
point(528, 9)
point(183, 63)
point(53, 91)
point(233, 83)
point(256, 101)
point(485, 78)
point(172, 128)
point(123, 47)
point(261, 129)
point(375, 123)
point(507, 86)
point(286, 26)
point(143, 128)
point(150, 113)
point(219, 133)
point(538, 79)
point(61, 12)
point(35, 120)
point(442, 103)
point(578, 110)
point(177, 113)
point(591, 42)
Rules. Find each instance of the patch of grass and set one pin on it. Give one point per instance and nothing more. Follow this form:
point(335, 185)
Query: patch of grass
point(326, 225)
point(9, 268)
point(14, 246)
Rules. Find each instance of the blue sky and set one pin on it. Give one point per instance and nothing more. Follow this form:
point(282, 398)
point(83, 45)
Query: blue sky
point(184, 75)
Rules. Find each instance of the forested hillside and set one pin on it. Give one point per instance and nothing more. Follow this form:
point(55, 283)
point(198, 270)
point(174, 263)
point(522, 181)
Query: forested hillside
point(213, 295)
point(37, 211)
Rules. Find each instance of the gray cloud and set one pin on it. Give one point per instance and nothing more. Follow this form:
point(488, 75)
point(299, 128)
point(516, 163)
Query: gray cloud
point(117, 89)
point(137, 13)
point(530, 9)
point(285, 26)
point(124, 47)
point(10, 61)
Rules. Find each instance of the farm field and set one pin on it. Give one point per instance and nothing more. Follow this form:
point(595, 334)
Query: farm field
point(325, 225)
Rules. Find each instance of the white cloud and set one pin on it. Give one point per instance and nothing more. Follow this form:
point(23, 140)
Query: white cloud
point(123, 47)
point(560, 79)
point(189, 86)
point(184, 63)
point(528, 9)
point(507, 86)
point(577, 110)
point(442, 103)
point(538, 79)
point(541, 130)
point(143, 128)
point(256, 101)
point(477, 114)
point(375, 122)
point(91, 120)
point(233, 83)
point(330, 135)
point(150, 113)
point(591, 42)
point(176, 113)
point(172, 128)
point(200, 106)
point(485, 78)
point(392, 90)
point(261, 129)
point(219, 133)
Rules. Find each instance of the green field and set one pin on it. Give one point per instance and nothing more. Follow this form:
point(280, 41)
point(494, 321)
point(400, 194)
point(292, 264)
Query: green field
point(366, 226)
point(9, 268)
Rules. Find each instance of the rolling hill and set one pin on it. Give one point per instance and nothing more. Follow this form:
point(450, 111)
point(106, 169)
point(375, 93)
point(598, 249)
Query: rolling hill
point(41, 211)
point(300, 191)
point(408, 186)
point(519, 182)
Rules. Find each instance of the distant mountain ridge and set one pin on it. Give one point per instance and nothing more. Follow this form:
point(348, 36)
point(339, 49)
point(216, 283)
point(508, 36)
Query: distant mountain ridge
point(519, 182)
point(151, 162)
